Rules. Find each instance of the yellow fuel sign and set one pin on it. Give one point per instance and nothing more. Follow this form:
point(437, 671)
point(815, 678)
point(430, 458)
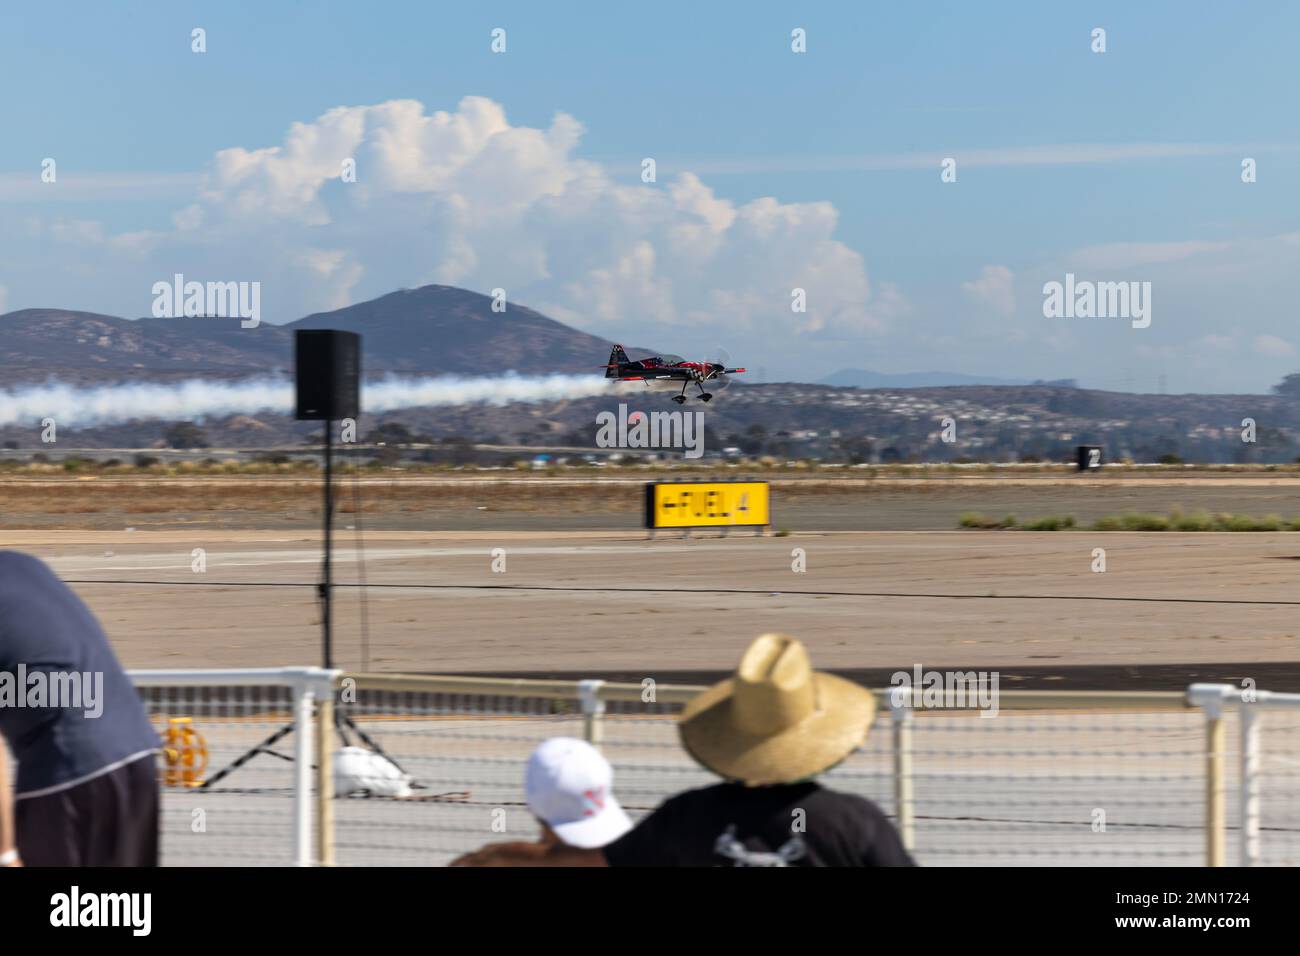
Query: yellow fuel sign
point(707, 504)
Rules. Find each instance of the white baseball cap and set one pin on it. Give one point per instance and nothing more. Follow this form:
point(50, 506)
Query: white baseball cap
point(568, 785)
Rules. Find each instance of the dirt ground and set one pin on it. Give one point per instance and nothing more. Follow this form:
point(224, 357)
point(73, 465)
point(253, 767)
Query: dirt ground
point(1168, 609)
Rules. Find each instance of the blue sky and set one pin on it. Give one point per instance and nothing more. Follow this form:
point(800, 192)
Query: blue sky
point(775, 169)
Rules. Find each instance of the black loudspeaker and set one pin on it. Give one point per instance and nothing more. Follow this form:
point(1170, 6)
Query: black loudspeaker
point(1087, 457)
point(328, 374)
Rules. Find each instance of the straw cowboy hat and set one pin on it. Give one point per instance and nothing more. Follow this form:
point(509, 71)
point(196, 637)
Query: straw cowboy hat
point(777, 720)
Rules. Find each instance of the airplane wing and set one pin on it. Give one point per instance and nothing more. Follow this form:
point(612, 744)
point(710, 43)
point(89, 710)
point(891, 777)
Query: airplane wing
point(653, 373)
point(647, 377)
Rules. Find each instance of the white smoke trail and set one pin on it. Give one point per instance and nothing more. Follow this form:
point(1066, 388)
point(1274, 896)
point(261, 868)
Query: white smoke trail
point(78, 407)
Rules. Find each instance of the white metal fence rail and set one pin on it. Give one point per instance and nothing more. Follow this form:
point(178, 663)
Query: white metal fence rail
point(261, 811)
point(1267, 759)
point(1100, 787)
point(1054, 778)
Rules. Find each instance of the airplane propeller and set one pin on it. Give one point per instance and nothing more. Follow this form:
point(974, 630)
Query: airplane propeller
point(720, 359)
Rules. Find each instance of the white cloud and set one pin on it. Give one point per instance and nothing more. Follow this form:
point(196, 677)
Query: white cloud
point(1273, 347)
point(1050, 154)
point(465, 198)
point(995, 288)
point(97, 186)
point(1126, 255)
point(1215, 343)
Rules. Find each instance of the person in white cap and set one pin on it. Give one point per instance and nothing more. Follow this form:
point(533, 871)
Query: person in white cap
point(569, 788)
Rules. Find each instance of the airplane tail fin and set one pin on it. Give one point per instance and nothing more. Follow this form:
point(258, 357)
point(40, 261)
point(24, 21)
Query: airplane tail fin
point(617, 357)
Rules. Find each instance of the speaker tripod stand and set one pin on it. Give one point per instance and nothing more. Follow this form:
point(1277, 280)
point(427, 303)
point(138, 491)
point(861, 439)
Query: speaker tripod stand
point(342, 722)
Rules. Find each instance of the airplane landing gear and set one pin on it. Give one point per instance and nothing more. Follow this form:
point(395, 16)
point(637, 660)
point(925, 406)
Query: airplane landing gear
point(706, 396)
point(679, 399)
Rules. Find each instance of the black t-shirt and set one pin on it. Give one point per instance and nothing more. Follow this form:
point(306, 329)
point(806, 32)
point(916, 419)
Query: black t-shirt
point(798, 824)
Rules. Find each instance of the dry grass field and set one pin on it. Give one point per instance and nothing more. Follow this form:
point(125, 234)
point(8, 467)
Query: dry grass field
point(584, 499)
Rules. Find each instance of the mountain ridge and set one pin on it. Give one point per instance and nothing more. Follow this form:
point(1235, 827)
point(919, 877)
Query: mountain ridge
point(429, 330)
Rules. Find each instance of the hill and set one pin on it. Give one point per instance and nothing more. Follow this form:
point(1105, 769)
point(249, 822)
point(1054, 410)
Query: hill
point(430, 330)
point(443, 329)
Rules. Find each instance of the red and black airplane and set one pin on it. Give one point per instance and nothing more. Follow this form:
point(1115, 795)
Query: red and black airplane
point(671, 369)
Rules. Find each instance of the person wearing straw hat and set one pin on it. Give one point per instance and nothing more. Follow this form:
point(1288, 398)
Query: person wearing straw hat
point(768, 731)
